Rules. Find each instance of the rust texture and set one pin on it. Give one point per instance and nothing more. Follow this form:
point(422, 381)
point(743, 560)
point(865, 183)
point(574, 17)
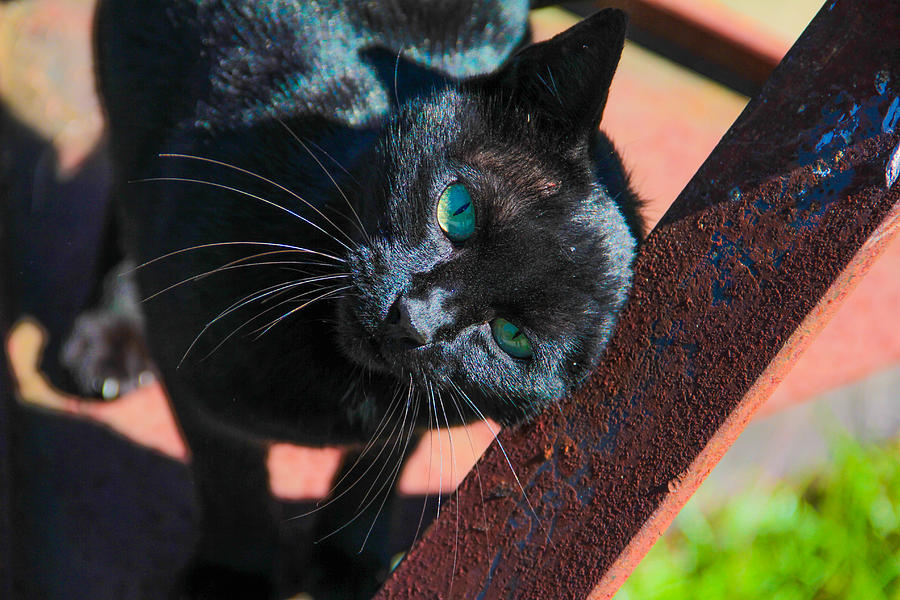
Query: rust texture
point(786, 213)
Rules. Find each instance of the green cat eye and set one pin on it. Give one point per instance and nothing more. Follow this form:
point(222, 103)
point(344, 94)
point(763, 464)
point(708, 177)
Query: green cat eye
point(455, 213)
point(510, 338)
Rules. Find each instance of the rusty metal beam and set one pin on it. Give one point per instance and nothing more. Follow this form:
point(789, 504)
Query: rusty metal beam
point(711, 31)
point(781, 220)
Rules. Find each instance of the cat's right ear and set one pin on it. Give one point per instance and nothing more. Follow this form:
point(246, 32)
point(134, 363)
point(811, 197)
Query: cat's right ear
point(565, 80)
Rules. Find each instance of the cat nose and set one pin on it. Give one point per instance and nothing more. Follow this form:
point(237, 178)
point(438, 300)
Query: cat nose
point(407, 323)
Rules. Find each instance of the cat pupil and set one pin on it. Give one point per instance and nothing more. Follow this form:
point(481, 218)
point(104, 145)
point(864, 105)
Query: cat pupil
point(455, 214)
point(510, 338)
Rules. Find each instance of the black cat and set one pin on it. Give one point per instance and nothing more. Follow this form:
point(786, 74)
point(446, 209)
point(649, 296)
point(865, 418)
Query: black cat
point(364, 220)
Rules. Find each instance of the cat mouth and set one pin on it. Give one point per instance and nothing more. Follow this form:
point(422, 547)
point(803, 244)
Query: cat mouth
point(376, 350)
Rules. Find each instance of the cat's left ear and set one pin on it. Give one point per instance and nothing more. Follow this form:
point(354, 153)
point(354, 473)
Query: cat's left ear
point(566, 79)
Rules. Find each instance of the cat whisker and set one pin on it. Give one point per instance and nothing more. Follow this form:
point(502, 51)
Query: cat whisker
point(319, 505)
point(272, 291)
point(236, 264)
point(397, 469)
point(297, 298)
point(271, 252)
point(452, 467)
point(334, 160)
point(396, 71)
point(389, 481)
point(392, 406)
point(241, 326)
point(244, 193)
point(437, 423)
point(475, 456)
point(384, 465)
point(428, 481)
point(508, 462)
point(303, 281)
point(360, 227)
point(340, 213)
point(236, 305)
point(555, 89)
point(267, 180)
point(268, 327)
point(295, 265)
point(287, 247)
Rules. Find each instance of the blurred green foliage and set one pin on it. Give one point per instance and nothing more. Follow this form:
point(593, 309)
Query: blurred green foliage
point(835, 534)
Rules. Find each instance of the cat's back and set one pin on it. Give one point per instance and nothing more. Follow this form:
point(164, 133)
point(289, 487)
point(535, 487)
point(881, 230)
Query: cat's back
point(213, 65)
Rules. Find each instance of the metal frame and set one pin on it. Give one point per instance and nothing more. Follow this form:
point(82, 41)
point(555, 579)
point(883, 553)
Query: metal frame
point(711, 31)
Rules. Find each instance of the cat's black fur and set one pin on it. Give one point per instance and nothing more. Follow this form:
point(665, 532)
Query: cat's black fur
point(368, 109)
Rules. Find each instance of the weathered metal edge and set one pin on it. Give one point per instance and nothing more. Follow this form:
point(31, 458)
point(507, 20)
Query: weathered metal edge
point(703, 465)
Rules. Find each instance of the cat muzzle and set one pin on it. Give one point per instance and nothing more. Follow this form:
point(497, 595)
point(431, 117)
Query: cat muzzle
point(415, 322)
point(406, 326)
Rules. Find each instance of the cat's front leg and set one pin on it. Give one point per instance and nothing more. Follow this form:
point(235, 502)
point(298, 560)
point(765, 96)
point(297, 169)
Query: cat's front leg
point(237, 555)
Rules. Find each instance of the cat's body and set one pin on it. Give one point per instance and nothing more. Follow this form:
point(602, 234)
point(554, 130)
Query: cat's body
point(295, 162)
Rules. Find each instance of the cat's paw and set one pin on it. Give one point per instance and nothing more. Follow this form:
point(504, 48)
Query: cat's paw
point(107, 356)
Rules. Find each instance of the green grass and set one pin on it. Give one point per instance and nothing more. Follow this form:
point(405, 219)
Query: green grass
point(833, 535)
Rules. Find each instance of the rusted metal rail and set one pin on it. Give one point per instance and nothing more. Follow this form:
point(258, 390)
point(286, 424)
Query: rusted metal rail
point(787, 213)
point(711, 31)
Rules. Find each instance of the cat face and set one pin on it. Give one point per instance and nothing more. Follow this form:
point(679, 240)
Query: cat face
point(495, 258)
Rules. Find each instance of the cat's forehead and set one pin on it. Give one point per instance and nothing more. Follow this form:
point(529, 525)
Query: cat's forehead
point(541, 178)
point(454, 125)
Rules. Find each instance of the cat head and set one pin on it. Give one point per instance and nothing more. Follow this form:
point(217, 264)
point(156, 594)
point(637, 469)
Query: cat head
point(496, 253)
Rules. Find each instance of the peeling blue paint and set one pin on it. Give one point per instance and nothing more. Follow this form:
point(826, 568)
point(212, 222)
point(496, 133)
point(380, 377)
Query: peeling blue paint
point(890, 119)
point(882, 78)
point(811, 203)
point(661, 344)
point(690, 351)
point(723, 255)
point(487, 580)
point(846, 119)
point(582, 491)
point(825, 140)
